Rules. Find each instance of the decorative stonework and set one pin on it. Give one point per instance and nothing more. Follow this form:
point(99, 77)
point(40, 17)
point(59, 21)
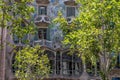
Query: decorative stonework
point(70, 19)
point(42, 21)
point(70, 2)
point(42, 1)
point(115, 72)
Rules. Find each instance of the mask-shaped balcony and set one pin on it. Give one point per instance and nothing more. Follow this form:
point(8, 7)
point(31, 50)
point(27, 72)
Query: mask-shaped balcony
point(42, 1)
point(70, 2)
point(42, 21)
point(69, 19)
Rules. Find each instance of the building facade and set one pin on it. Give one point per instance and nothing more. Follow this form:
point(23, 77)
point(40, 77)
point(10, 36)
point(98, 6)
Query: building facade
point(49, 36)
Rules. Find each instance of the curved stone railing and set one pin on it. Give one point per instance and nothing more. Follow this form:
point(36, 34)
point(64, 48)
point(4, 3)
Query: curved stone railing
point(50, 44)
point(43, 42)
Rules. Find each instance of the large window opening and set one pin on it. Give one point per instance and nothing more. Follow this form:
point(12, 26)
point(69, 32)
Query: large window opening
point(72, 65)
point(77, 65)
point(42, 10)
point(42, 33)
point(64, 64)
point(70, 11)
point(67, 64)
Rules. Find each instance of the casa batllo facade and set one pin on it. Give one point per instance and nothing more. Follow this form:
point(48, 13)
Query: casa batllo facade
point(49, 36)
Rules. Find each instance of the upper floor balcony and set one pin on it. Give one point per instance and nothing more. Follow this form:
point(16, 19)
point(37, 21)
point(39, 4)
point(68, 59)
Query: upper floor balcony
point(70, 19)
point(42, 1)
point(42, 21)
point(44, 42)
point(49, 44)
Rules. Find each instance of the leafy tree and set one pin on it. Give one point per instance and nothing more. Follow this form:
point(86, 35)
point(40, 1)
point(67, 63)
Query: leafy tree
point(12, 13)
point(16, 19)
point(31, 63)
point(95, 32)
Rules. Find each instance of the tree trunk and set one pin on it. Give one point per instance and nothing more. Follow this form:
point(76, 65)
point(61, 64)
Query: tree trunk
point(3, 53)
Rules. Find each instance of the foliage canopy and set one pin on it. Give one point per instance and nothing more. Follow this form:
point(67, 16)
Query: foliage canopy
point(95, 32)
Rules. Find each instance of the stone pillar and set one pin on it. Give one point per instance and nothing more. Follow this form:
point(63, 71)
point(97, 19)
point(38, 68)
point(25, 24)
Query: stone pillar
point(95, 70)
point(61, 64)
point(72, 66)
point(84, 75)
point(55, 64)
point(3, 52)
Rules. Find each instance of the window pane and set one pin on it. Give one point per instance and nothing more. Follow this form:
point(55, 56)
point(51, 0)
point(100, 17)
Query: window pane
point(42, 10)
point(50, 54)
point(66, 57)
point(52, 67)
point(65, 68)
point(42, 33)
point(58, 55)
point(70, 11)
point(90, 68)
point(58, 67)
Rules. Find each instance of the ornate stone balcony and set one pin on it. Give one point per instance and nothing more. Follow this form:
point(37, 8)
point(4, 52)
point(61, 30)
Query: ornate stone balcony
point(70, 2)
point(115, 72)
point(43, 42)
point(70, 19)
point(42, 1)
point(42, 21)
point(50, 44)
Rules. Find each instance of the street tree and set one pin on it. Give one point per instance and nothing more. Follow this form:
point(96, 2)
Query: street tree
point(95, 33)
point(31, 63)
point(15, 19)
